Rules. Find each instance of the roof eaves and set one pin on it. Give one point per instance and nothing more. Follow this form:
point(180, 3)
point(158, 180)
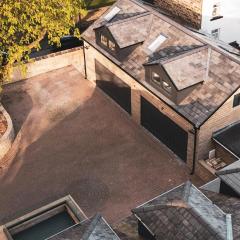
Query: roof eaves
point(229, 171)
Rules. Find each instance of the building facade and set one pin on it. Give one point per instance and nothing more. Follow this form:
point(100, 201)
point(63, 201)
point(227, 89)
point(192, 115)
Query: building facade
point(176, 86)
point(219, 18)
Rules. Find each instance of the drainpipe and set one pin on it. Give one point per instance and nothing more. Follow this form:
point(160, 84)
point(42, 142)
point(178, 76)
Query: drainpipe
point(194, 150)
point(84, 57)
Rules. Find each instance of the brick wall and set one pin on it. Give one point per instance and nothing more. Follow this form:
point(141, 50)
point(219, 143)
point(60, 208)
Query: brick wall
point(137, 91)
point(188, 10)
point(223, 117)
point(51, 62)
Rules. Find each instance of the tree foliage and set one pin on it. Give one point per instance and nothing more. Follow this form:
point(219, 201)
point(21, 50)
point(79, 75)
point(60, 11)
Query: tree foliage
point(24, 23)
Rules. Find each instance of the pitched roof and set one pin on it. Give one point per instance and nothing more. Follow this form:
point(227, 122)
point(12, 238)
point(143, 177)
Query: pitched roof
point(229, 137)
point(231, 176)
point(184, 212)
point(221, 77)
point(138, 34)
point(128, 227)
point(94, 228)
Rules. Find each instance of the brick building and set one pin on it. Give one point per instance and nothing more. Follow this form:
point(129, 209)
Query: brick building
point(177, 86)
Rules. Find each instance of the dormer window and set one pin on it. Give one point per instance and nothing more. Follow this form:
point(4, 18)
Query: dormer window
point(161, 83)
point(166, 87)
point(156, 78)
point(108, 43)
point(104, 40)
point(111, 45)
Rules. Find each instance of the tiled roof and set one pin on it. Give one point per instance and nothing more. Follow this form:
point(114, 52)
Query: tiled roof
point(184, 212)
point(138, 34)
point(95, 228)
point(229, 137)
point(231, 176)
point(127, 229)
point(221, 76)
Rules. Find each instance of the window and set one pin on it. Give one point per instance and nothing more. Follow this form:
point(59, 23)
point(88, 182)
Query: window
point(104, 40)
point(166, 86)
point(215, 33)
point(112, 13)
point(216, 10)
point(157, 43)
point(111, 45)
point(108, 43)
point(156, 78)
point(236, 100)
point(160, 82)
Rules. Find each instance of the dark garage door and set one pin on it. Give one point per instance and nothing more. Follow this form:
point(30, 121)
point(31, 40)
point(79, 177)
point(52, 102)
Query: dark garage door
point(164, 129)
point(113, 86)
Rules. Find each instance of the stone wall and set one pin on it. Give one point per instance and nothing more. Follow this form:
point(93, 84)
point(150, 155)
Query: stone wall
point(7, 139)
point(51, 62)
point(189, 11)
point(223, 117)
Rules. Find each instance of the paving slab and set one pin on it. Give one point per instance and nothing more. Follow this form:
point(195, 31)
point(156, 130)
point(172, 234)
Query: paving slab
point(72, 139)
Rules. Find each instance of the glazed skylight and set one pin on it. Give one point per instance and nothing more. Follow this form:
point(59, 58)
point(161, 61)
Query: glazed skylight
point(112, 13)
point(157, 43)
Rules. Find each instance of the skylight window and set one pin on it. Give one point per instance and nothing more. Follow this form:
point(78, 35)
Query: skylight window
point(112, 13)
point(157, 43)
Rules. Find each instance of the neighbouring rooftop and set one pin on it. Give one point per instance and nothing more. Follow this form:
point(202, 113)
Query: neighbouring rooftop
point(229, 138)
point(184, 212)
point(187, 59)
point(95, 228)
point(128, 228)
point(230, 175)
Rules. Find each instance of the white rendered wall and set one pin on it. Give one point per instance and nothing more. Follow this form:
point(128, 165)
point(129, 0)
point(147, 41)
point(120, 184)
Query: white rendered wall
point(229, 25)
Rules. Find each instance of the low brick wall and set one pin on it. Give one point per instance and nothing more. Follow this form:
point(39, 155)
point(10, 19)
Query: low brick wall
point(7, 139)
point(51, 62)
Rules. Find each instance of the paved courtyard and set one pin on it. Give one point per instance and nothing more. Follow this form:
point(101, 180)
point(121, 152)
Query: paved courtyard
point(71, 139)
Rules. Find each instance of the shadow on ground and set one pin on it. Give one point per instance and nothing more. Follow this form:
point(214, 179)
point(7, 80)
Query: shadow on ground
point(74, 140)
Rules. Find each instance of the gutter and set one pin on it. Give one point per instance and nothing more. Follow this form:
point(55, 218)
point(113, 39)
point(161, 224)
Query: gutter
point(196, 130)
point(85, 63)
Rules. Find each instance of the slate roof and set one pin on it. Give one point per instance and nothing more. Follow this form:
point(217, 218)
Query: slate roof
point(229, 137)
point(231, 176)
point(184, 213)
point(222, 72)
point(95, 228)
point(127, 229)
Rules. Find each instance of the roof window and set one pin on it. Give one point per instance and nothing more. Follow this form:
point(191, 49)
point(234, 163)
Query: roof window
point(112, 13)
point(157, 43)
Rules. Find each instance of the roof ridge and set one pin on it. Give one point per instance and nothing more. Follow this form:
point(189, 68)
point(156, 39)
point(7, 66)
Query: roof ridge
point(91, 227)
point(180, 54)
point(228, 171)
point(186, 191)
point(206, 224)
point(172, 203)
point(143, 14)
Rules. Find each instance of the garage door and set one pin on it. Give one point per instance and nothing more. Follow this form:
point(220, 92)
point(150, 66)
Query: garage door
point(164, 129)
point(114, 87)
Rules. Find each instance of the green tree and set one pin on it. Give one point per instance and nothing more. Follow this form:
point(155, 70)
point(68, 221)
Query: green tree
point(24, 23)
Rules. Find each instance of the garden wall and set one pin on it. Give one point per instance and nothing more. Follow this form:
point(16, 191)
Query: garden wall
point(7, 139)
point(51, 62)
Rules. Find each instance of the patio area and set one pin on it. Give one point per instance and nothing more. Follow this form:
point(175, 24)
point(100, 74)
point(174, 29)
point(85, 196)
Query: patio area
point(72, 139)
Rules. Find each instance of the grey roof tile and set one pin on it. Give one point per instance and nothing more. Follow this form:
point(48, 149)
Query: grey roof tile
point(184, 212)
point(95, 228)
point(224, 72)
